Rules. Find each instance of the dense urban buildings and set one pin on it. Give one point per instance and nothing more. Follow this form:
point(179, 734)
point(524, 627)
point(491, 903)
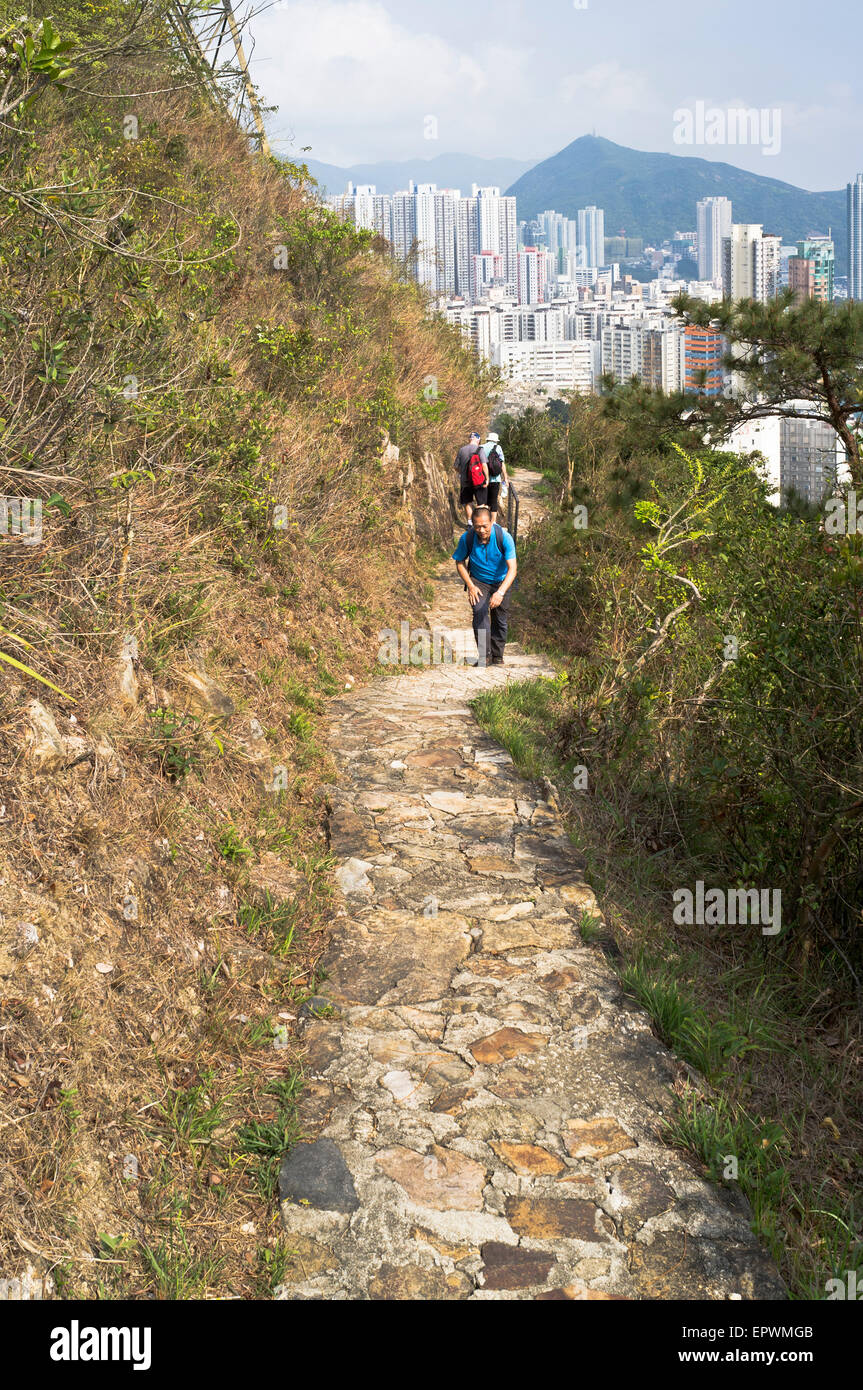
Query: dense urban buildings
point(552, 304)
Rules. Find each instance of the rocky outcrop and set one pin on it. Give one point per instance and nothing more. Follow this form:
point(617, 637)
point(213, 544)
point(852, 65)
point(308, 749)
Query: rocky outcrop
point(425, 489)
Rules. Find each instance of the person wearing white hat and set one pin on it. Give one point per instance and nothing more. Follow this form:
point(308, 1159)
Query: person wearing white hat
point(496, 472)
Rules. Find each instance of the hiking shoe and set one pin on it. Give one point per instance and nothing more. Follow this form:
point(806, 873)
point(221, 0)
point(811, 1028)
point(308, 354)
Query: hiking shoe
point(497, 661)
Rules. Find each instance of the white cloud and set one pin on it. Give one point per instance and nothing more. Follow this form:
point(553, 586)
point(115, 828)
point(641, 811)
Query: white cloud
point(343, 68)
point(608, 88)
point(352, 81)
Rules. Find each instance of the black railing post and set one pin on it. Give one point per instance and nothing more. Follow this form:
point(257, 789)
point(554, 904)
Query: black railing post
point(512, 510)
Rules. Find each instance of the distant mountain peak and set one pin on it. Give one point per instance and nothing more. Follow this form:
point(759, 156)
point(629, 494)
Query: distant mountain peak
point(451, 170)
point(653, 194)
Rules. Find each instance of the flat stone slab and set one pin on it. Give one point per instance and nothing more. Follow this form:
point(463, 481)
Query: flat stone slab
point(441, 1179)
point(418, 1283)
point(528, 1159)
point(403, 956)
point(507, 1043)
point(316, 1175)
point(595, 1138)
point(550, 1218)
point(513, 1267)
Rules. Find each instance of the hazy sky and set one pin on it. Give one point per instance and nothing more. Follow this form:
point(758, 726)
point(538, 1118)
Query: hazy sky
point(356, 79)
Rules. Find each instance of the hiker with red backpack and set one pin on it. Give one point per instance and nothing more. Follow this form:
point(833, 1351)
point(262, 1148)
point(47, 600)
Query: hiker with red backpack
point(472, 469)
point(485, 560)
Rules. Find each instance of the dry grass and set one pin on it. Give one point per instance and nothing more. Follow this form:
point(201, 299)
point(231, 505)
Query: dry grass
point(163, 534)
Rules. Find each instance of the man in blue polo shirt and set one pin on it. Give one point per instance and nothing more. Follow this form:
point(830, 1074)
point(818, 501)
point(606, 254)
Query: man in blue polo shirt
point(488, 569)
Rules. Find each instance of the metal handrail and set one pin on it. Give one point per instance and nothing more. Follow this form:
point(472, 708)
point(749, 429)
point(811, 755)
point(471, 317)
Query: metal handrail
point(512, 510)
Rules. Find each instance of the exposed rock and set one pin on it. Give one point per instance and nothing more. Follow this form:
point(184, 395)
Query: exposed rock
point(452, 1099)
point(636, 1193)
point(513, 1267)
point(275, 879)
point(507, 1043)
point(126, 681)
point(538, 934)
point(405, 956)
point(48, 749)
point(579, 1291)
point(26, 940)
point(528, 1159)
point(441, 1179)
point(595, 1138)
point(452, 1250)
point(352, 877)
point(418, 1282)
point(316, 1175)
point(551, 1218)
point(306, 1258)
point(560, 979)
point(250, 964)
point(203, 696)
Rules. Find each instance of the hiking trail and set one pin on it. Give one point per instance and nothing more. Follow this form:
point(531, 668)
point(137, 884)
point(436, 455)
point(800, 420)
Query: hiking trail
point(484, 1110)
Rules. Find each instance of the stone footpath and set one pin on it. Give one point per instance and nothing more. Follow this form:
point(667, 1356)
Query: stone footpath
point(484, 1104)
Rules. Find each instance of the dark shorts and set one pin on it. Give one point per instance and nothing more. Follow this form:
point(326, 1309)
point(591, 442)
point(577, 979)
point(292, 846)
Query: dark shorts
point(471, 495)
point(493, 494)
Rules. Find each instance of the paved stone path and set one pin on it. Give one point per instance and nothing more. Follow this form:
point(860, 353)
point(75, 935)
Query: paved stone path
point(484, 1109)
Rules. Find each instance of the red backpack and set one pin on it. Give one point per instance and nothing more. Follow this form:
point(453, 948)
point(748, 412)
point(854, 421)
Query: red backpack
point(477, 475)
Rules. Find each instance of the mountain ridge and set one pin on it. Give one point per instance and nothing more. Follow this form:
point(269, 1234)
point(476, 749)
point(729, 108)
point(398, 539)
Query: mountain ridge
point(654, 194)
point(446, 170)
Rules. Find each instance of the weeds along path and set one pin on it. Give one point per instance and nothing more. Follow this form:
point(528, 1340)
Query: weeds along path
point(484, 1111)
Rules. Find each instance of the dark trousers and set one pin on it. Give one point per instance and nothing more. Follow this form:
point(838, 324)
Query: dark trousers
point(490, 625)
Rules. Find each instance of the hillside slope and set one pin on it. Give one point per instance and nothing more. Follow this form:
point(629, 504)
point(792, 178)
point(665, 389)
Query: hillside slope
point(654, 195)
point(234, 420)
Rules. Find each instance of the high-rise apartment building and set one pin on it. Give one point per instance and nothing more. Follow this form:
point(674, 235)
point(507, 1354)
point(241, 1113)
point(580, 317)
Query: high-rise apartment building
point(809, 459)
point(703, 355)
point(751, 262)
point(486, 271)
point(466, 244)
point(713, 218)
point(496, 227)
point(560, 233)
point(768, 265)
point(531, 275)
point(810, 272)
point(591, 236)
point(426, 246)
point(404, 224)
point(488, 206)
point(373, 211)
point(855, 238)
point(801, 277)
